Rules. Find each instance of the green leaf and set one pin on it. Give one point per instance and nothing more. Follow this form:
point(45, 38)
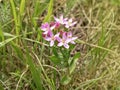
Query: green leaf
point(72, 46)
point(55, 51)
point(55, 60)
point(65, 53)
point(77, 55)
point(59, 60)
point(73, 62)
point(65, 80)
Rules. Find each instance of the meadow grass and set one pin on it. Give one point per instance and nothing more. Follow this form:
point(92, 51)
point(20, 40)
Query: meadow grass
point(24, 55)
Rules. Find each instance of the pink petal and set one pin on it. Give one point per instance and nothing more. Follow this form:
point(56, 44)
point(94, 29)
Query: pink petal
point(57, 25)
point(44, 26)
point(61, 17)
point(67, 26)
point(65, 19)
point(72, 42)
point(58, 39)
point(52, 27)
point(57, 35)
point(70, 20)
point(50, 33)
point(73, 23)
point(43, 29)
point(56, 19)
point(51, 43)
point(60, 44)
point(69, 34)
point(74, 38)
point(46, 32)
point(64, 35)
point(47, 38)
point(68, 40)
point(66, 45)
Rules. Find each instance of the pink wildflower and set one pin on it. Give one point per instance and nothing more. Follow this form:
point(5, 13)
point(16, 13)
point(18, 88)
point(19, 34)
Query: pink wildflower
point(69, 23)
point(46, 28)
point(60, 20)
point(56, 24)
point(50, 37)
point(63, 41)
point(70, 38)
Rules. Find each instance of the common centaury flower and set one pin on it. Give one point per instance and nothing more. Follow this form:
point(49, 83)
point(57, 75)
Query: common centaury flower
point(63, 41)
point(59, 37)
point(46, 27)
point(60, 20)
point(71, 38)
point(51, 37)
point(70, 23)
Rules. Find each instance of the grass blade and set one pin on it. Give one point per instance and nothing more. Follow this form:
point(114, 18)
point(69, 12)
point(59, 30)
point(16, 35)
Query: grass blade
point(35, 74)
point(22, 7)
point(1, 34)
point(3, 43)
point(15, 18)
point(50, 9)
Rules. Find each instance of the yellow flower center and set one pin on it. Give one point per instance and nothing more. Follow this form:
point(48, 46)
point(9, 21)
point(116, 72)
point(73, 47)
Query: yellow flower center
point(63, 40)
point(52, 38)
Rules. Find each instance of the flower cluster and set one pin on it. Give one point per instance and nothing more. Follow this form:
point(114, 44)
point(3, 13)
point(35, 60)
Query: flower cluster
point(52, 32)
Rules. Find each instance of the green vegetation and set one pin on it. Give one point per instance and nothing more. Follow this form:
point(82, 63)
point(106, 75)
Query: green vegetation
point(27, 62)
